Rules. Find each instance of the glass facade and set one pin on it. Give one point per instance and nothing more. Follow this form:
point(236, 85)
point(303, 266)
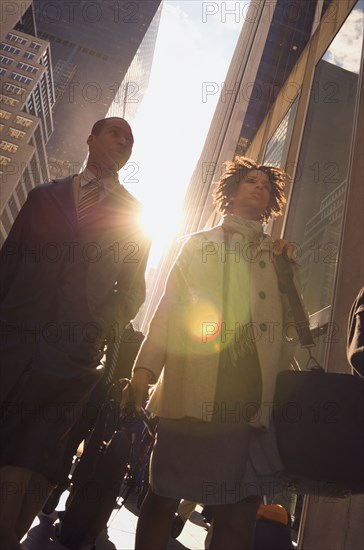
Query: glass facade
point(135, 83)
point(316, 208)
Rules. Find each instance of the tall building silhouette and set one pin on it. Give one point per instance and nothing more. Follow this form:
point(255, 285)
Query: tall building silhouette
point(26, 102)
point(93, 45)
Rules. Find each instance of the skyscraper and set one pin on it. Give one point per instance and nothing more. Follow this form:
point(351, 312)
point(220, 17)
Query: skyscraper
point(93, 45)
point(27, 98)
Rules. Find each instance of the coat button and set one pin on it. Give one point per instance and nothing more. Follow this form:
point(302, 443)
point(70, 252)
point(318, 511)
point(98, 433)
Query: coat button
point(262, 263)
point(262, 295)
point(263, 327)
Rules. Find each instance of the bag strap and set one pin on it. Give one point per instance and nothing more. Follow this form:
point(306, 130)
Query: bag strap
point(285, 277)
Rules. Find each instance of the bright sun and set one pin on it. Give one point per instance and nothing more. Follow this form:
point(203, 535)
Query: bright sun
point(161, 228)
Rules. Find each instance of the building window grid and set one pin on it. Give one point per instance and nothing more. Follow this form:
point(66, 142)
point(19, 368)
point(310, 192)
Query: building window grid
point(7, 146)
point(14, 89)
point(9, 48)
point(30, 106)
point(26, 67)
point(22, 121)
point(35, 45)
point(13, 206)
point(28, 184)
point(42, 158)
point(8, 100)
point(20, 193)
point(4, 160)
point(21, 78)
point(28, 55)
point(6, 60)
point(5, 114)
point(16, 134)
point(6, 221)
point(16, 38)
point(35, 169)
point(2, 235)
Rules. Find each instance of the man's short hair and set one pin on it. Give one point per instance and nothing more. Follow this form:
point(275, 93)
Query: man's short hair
point(97, 127)
point(237, 170)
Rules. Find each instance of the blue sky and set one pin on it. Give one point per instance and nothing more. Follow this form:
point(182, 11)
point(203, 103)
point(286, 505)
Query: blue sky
point(195, 43)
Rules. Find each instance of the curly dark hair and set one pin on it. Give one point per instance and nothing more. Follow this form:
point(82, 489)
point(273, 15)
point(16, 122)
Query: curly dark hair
point(235, 171)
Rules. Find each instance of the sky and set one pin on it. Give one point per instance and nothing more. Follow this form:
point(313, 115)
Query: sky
point(345, 49)
point(195, 44)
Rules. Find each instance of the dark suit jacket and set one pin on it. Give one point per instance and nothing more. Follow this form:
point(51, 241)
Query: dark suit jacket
point(56, 276)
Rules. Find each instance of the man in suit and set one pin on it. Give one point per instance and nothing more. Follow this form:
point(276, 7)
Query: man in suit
point(72, 278)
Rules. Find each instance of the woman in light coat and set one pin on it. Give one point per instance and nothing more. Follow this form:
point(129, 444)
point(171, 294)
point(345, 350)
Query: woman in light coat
point(219, 336)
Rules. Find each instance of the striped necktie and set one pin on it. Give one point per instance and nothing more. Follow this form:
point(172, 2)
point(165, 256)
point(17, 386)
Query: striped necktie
point(90, 197)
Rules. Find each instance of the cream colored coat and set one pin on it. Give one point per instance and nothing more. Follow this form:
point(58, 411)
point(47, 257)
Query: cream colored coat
point(180, 348)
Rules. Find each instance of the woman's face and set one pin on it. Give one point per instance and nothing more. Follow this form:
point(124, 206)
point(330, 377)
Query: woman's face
point(252, 196)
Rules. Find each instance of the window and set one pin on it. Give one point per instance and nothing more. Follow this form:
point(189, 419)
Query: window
point(16, 38)
point(4, 160)
point(35, 45)
point(26, 67)
point(20, 193)
point(1, 127)
point(28, 55)
point(7, 146)
point(6, 60)
point(2, 71)
point(5, 114)
point(316, 208)
point(13, 207)
point(23, 121)
point(14, 89)
point(21, 78)
point(16, 134)
point(277, 147)
point(8, 48)
point(8, 100)
point(5, 220)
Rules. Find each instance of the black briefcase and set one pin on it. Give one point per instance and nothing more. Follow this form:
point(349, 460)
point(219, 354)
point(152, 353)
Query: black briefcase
point(319, 426)
point(318, 418)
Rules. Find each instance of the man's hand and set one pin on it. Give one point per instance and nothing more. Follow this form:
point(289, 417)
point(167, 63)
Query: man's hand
point(140, 380)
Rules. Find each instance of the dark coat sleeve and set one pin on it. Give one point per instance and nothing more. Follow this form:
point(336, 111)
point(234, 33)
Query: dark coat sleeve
point(130, 285)
point(355, 336)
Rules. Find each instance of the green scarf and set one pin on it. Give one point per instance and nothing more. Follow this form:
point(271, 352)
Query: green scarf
point(242, 238)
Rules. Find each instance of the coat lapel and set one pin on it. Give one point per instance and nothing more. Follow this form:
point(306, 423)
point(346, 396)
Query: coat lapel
point(63, 193)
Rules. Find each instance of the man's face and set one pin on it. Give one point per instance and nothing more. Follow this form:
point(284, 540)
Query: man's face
point(111, 147)
point(253, 193)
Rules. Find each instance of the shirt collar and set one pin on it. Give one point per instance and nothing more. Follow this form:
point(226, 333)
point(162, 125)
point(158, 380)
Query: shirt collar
point(108, 184)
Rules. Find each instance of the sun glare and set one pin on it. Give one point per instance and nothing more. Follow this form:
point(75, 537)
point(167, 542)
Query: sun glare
point(161, 228)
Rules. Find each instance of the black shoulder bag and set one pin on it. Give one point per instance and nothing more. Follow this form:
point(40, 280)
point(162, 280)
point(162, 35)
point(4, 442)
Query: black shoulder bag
point(318, 417)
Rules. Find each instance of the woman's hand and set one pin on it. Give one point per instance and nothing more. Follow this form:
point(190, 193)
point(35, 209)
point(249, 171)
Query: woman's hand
point(281, 245)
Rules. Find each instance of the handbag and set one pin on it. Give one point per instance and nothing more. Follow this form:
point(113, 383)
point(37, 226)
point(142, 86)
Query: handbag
point(318, 417)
